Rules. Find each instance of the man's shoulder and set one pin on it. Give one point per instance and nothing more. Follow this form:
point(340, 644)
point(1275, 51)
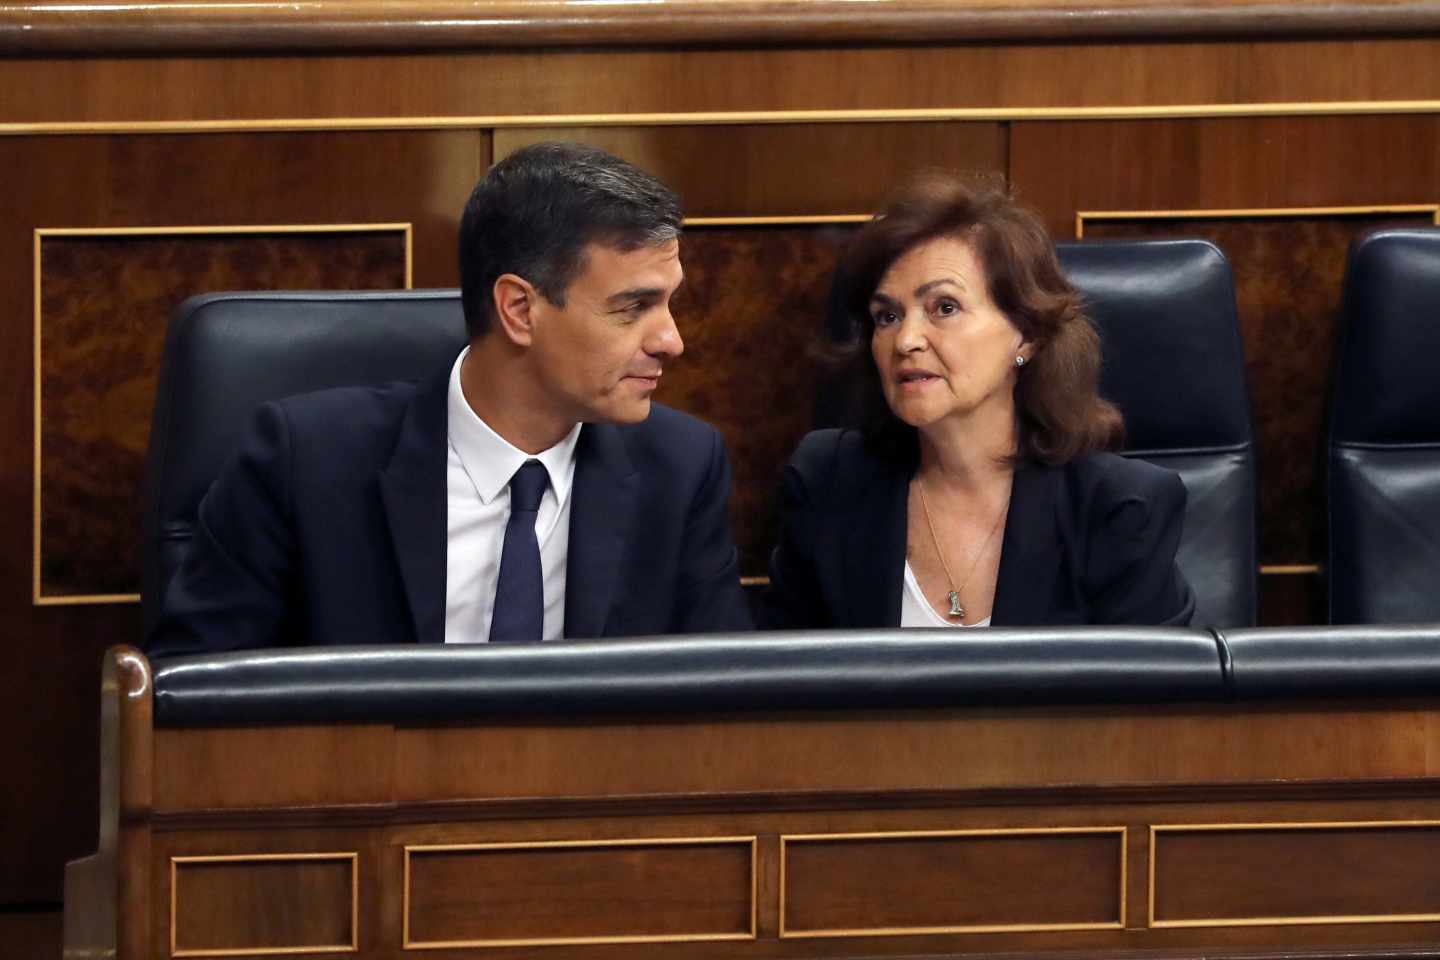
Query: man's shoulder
point(345, 403)
point(669, 434)
point(346, 421)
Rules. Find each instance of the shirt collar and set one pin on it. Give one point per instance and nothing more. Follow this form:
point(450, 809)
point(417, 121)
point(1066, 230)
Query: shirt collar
point(489, 459)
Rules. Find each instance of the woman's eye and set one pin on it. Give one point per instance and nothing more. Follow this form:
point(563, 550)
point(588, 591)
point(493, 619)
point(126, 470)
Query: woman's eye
point(946, 308)
point(883, 318)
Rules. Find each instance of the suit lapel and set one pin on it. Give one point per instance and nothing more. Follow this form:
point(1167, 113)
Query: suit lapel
point(412, 487)
point(1030, 553)
point(602, 512)
point(873, 544)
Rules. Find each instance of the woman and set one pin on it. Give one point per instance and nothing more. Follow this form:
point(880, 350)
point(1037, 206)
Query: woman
point(977, 491)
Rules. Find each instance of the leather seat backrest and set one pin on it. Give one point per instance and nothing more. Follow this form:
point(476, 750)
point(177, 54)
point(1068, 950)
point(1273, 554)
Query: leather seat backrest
point(1174, 364)
point(1384, 464)
point(227, 353)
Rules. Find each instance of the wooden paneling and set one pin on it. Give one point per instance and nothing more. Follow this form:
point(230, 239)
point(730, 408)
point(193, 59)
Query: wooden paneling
point(532, 894)
point(1178, 745)
point(891, 885)
point(333, 765)
point(784, 169)
point(752, 315)
point(611, 82)
point(104, 301)
point(302, 903)
point(1220, 164)
point(31, 934)
point(117, 181)
point(1365, 872)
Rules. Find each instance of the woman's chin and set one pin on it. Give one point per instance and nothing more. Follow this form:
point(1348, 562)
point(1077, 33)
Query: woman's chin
point(916, 415)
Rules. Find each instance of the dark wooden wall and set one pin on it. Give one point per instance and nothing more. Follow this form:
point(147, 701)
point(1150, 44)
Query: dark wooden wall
point(1279, 145)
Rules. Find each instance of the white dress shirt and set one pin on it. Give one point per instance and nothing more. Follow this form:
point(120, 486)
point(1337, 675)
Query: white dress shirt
point(480, 466)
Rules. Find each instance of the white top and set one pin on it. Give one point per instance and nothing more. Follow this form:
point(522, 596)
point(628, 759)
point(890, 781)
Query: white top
point(477, 479)
point(915, 610)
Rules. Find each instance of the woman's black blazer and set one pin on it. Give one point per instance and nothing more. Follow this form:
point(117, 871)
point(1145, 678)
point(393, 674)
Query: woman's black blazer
point(1089, 542)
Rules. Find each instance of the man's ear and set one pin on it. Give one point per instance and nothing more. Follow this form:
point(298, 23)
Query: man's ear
point(515, 300)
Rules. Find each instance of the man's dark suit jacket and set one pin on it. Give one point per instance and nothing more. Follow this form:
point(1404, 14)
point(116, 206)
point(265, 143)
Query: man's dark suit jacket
point(1089, 542)
point(328, 526)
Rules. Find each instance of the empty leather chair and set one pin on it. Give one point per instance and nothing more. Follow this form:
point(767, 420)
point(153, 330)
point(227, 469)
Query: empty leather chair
point(1174, 364)
point(227, 353)
point(1384, 463)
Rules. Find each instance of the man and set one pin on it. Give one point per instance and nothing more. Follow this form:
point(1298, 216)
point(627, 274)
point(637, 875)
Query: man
point(530, 491)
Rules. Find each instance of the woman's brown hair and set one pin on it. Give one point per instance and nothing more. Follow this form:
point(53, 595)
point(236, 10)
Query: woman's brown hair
point(1061, 414)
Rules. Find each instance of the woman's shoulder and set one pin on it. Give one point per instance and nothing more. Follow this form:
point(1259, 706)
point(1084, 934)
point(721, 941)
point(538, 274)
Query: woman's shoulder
point(1106, 481)
point(821, 452)
point(836, 464)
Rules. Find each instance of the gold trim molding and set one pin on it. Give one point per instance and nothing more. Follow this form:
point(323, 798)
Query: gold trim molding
point(1319, 919)
point(787, 839)
point(38, 598)
point(1243, 213)
point(729, 118)
point(352, 857)
point(410, 849)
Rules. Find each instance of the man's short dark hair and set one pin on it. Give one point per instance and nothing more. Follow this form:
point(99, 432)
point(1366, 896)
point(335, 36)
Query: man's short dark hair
point(536, 210)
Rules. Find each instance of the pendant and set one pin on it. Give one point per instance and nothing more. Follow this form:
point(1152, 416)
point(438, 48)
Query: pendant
point(955, 609)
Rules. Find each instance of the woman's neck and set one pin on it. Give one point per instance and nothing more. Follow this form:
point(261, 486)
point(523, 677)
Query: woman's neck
point(974, 454)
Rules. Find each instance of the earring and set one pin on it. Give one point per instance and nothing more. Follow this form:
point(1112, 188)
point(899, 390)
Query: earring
point(1019, 361)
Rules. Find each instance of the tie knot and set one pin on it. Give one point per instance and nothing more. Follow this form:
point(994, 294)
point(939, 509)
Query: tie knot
point(528, 486)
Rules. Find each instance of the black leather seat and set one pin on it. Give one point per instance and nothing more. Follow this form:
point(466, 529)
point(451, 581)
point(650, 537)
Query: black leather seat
point(840, 670)
point(1368, 662)
point(1384, 470)
point(1175, 366)
point(227, 353)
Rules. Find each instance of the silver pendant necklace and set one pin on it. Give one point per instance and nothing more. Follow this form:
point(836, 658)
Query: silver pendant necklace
point(957, 608)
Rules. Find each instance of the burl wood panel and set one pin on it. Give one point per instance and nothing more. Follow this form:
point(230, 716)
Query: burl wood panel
point(50, 751)
point(264, 904)
point(557, 893)
point(104, 303)
point(784, 169)
point(751, 313)
point(1321, 874)
point(897, 884)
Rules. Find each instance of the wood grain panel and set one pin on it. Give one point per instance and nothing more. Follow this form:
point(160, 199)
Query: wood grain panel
point(751, 313)
point(305, 903)
point(888, 885)
point(784, 169)
point(200, 769)
point(964, 750)
point(1221, 164)
point(1366, 873)
point(1289, 271)
point(612, 82)
point(422, 178)
point(103, 306)
point(530, 894)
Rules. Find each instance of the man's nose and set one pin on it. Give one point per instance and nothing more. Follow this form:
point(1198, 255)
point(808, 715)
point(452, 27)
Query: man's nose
point(664, 341)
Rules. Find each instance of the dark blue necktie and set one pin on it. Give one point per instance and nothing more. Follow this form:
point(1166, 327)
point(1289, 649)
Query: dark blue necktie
point(519, 592)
